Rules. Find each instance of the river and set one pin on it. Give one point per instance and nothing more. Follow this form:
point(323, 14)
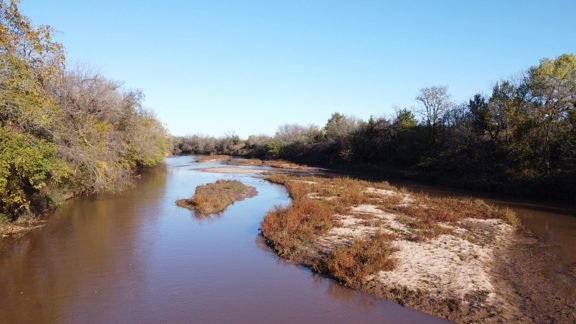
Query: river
point(135, 257)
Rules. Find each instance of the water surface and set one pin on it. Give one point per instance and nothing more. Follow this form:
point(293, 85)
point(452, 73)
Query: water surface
point(136, 257)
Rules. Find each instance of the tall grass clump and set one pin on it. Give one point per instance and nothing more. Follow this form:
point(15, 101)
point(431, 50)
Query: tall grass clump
point(351, 264)
point(288, 229)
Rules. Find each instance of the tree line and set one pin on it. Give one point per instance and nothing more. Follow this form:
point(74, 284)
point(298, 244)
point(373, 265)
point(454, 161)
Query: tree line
point(63, 132)
point(519, 139)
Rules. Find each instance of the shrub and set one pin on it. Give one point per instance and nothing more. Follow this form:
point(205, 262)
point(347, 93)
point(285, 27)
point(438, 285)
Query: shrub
point(288, 228)
point(351, 264)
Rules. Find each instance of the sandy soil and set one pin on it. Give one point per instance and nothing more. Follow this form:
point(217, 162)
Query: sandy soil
point(230, 170)
point(482, 271)
point(209, 158)
point(281, 164)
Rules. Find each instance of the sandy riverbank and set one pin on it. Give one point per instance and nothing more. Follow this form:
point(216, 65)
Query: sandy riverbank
point(230, 170)
point(460, 260)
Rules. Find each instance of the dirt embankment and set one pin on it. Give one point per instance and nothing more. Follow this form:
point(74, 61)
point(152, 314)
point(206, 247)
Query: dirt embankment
point(462, 260)
point(21, 226)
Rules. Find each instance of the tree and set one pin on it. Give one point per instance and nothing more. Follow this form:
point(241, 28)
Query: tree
point(478, 109)
point(404, 119)
point(31, 44)
point(552, 87)
point(436, 102)
point(340, 126)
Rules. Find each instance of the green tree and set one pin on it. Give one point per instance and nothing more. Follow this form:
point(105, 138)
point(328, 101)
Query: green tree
point(27, 165)
point(553, 90)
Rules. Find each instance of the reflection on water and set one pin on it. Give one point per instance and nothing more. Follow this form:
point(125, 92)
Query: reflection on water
point(87, 243)
point(136, 257)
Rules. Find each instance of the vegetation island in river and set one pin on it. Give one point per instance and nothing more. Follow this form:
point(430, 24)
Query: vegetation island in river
point(213, 198)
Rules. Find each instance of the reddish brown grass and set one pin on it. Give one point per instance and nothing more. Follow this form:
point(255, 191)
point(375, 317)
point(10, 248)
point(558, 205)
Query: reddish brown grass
point(426, 213)
point(213, 198)
point(289, 228)
point(351, 264)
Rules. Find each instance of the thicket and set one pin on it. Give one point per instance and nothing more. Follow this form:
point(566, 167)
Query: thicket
point(519, 139)
point(63, 132)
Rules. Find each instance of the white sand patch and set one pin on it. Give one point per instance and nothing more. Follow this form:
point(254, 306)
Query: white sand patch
point(446, 266)
point(406, 199)
point(355, 225)
point(381, 192)
point(389, 218)
point(350, 228)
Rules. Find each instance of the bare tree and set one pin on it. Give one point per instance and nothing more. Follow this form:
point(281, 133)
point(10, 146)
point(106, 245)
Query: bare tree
point(436, 102)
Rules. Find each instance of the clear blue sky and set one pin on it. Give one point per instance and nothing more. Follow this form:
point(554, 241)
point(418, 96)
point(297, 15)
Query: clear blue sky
point(248, 66)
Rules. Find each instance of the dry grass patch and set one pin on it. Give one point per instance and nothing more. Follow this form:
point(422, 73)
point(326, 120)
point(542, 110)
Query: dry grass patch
point(213, 198)
point(289, 229)
point(366, 256)
point(426, 215)
point(284, 164)
point(278, 163)
point(317, 204)
point(254, 162)
point(209, 158)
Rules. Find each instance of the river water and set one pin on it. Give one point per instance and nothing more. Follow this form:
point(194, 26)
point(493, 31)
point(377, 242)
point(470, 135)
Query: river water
point(135, 257)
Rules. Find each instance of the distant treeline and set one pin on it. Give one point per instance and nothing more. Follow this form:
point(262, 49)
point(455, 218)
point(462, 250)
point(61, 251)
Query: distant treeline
point(63, 132)
point(520, 139)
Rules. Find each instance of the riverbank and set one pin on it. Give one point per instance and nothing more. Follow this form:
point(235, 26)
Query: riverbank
point(21, 226)
point(558, 189)
point(458, 259)
point(37, 217)
point(277, 163)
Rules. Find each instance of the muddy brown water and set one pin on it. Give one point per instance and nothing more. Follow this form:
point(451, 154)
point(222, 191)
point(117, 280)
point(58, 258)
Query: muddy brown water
point(136, 257)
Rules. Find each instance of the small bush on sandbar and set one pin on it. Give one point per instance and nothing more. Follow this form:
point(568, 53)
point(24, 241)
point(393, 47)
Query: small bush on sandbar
point(351, 264)
point(288, 228)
